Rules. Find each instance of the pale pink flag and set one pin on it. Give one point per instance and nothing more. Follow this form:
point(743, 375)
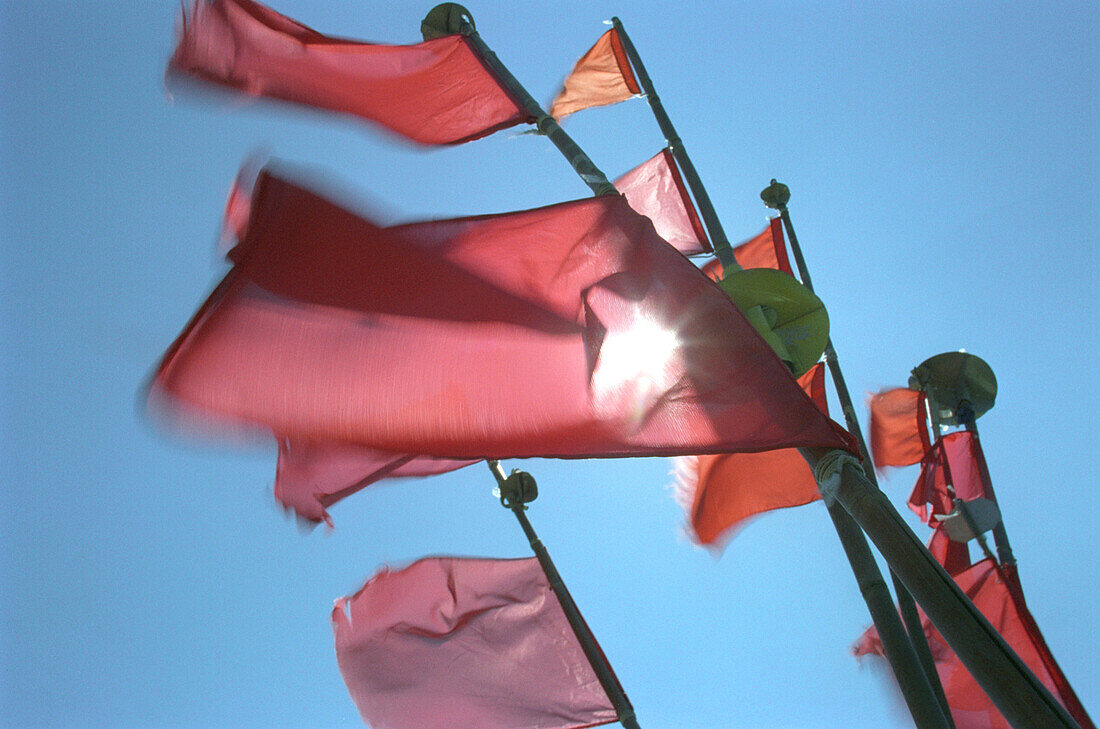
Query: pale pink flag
point(656, 190)
point(312, 475)
point(458, 643)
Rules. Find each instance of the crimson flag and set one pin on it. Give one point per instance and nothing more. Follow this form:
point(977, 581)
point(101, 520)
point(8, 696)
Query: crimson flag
point(722, 491)
point(996, 593)
point(450, 643)
point(899, 436)
point(959, 455)
point(566, 331)
point(766, 250)
point(435, 92)
point(656, 190)
point(602, 76)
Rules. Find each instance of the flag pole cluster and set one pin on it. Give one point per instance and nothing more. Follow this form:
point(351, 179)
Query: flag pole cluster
point(952, 486)
point(372, 352)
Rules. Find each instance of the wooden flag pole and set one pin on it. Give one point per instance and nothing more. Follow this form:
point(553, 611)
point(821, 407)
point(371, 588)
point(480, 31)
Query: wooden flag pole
point(516, 491)
point(776, 196)
point(926, 709)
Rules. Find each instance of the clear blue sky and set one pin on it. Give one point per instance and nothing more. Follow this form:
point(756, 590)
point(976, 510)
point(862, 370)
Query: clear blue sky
point(944, 164)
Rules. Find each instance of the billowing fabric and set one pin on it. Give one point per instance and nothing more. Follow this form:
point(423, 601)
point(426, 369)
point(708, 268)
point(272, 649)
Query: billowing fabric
point(566, 331)
point(313, 475)
point(722, 491)
point(768, 249)
point(997, 594)
point(450, 643)
point(899, 435)
point(435, 92)
point(960, 455)
point(602, 76)
point(656, 190)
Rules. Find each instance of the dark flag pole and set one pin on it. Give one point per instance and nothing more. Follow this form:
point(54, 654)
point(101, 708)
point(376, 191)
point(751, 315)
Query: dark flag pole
point(519, 488)
point(776, 196)
point(449, 18)
point(516, 491)
point(927, 710)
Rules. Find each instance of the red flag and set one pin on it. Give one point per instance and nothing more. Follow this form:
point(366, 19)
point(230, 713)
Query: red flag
point(722, 491)
point(656, 190)
point(766, 250)
point(602, 76)
point(451, 643)
point(567, 331)
point(996, 593)
point(313, 475)
point(964, 460)
point(899, 436)
point(435, 92)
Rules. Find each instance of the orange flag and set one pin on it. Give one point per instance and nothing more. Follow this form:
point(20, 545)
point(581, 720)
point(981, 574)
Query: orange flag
point(603, 76)
point(722, 491)
point(899, 436)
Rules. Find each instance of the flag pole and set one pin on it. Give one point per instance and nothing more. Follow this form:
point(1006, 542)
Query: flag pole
point(516, 491)
point(1005, 678)
point(722, 248)
point(449, 18)
point(927, 711)
point(776, 196)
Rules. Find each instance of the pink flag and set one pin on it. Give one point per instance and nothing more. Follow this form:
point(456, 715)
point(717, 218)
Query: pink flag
point(566, 331)
point(656, 190)
point(313, 475)
point(435, 92)
point(450, 643)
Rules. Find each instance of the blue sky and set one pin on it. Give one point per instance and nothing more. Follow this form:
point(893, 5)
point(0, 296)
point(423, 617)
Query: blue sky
point(944, 163)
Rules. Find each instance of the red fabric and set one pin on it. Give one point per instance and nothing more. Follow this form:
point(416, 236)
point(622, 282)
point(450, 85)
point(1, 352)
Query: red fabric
point(960, 455)
point(766, 250)
point(436, 92)
point(722, 491)
point(899, 436)
point(992, 593)
point(954, 556)
point(656, 190)
point(568, 331)
point(451, 643)
point(602, 76)
point(313, 475)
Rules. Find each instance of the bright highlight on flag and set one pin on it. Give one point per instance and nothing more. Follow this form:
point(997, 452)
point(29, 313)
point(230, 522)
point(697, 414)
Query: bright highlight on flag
point(481, 337)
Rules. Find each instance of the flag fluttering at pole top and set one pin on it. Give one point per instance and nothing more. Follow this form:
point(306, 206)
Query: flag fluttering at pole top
point(566, 331)
point(656, 190)
point(602, 76)
point(435, 92)
point(459, 643)
point(899, 431)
